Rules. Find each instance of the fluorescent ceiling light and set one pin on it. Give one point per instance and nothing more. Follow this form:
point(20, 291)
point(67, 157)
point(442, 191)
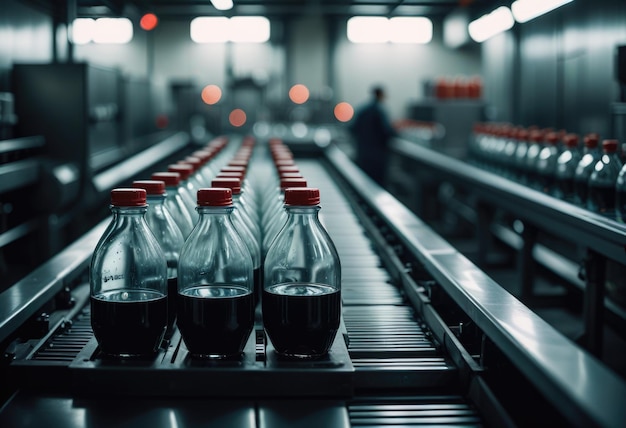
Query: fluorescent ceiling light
point(378, 29)
point(210, 29)
point(491, 24)
point(102, 30)
point(238, 29)
point(249, 29)
point(410, 30)
point(368, 29)
point(525, 10)
point(82, 30)
point(113, 30)
point(222, 4)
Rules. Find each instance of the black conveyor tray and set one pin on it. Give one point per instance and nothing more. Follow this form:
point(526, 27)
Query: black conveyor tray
point(259, 372)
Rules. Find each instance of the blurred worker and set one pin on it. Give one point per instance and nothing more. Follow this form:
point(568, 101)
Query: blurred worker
point(372, 131)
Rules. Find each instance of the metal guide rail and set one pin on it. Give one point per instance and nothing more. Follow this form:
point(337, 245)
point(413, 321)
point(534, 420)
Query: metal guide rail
point(396, 362)
point(602, 238)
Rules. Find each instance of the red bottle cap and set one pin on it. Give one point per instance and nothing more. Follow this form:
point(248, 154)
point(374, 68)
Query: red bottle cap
point(552, 138)
point(290, 174)
point(195, 162)
point(232, 183)
point(591, 140)
point(152, 187)
point(203, 155)
point(238, 162)
point(215, 197)
point(302, 196)
point(288, 168)
point(522, 134)
point(230, 174)
point(128, 197)
point(185, 170)
point(286, 182)
point(609, 146)
point(570, 140)
point(169, 178)
point(234, 168)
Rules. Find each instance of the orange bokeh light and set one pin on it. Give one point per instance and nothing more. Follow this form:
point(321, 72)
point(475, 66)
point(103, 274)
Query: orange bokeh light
point(211, 94)
point(237, 117)
point(343, 112)
point(148, 22)
point(299, 94)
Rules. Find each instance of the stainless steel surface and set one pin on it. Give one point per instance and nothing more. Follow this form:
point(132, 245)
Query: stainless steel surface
point(124, 170)
point(543, 355)
point(23, 299)
point(566, 220)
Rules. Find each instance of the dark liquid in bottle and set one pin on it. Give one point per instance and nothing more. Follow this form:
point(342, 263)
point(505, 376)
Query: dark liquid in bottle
point(172, 292)
point(601, 199)
point(129, 323)
point(257, 275)
point(565, 188)
point(215, 320)
point(301, 319)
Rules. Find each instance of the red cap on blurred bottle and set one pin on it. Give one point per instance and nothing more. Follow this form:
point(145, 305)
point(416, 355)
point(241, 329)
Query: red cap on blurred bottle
point(128, 197)
point(302, 196)
point(215, 197)
point(169, 178)
point(152, 187)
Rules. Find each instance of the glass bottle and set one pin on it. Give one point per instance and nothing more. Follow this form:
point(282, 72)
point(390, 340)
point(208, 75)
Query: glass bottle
point(546, 163)
point(301, 301)
point(620, 195)
point(186, 188)
point(128, 281)
point(591, 154)
point(242, 224)
point(174, 201)
point(566, 168)
point(534, 147)
point(215, 281)
point(603, 179)
point(167, 232)
point(276, 216)
point(520, 155)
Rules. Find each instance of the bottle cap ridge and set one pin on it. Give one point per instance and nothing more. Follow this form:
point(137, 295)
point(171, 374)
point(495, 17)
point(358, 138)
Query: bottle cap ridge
point(233, 183)
point(286, 182)
point(169, 178)
point(591, 140)
point(215, 197)
point(302, 196)
point(185, 170)
point(609, 146)
point(152, 187)
point(128, 197)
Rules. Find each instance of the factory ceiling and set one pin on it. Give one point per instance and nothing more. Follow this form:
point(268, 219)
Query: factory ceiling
point(269, 8)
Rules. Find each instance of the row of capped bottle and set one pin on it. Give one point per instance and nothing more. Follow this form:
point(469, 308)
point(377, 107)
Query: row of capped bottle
point(590, 174)
point(149, 271)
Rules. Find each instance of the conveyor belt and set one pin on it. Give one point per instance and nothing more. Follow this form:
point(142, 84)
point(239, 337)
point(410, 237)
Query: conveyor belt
point(392, 356)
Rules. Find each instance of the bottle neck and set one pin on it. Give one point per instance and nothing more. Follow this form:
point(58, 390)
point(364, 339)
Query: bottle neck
point(302, 210)
point(155, 199)
point(215, 211)
point(129, 211)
